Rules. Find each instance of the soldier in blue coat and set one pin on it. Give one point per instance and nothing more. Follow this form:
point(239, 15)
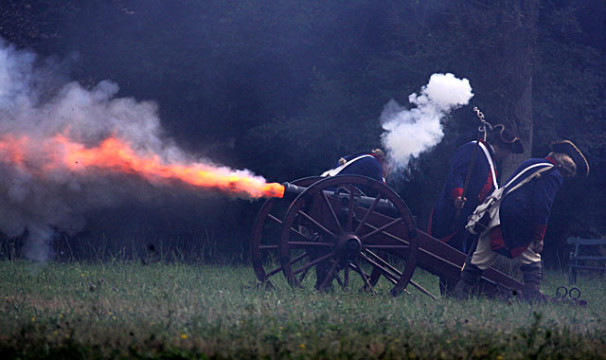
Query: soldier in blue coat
point(523, 216)
point(371, 164)
point(449, 216)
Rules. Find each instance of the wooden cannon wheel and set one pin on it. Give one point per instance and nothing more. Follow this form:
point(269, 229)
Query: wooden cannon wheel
point(266, 235)
point(352, 230)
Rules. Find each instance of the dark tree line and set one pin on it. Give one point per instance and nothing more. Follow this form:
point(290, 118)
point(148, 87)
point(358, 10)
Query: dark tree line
point(285, 87)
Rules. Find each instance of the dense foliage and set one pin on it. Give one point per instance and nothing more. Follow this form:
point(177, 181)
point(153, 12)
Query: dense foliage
point(285, 87)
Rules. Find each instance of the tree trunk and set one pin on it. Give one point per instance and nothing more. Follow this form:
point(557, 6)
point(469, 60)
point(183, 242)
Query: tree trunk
point(519, 30)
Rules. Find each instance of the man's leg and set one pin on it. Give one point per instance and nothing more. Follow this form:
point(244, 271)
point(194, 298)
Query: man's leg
point(468, 282)
point(483, 257)
point(447, 285)
point(532, 273)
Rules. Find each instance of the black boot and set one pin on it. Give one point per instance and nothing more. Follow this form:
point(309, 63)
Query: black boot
point(533, 275)
point(469, 282)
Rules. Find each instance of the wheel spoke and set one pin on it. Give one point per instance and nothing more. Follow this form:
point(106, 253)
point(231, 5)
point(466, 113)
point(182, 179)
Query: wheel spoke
point(422, 289)
point(383, 262)
point(293, 261)
point(329, 276)
point(399, 273)
point(274, 219)
point(386, 247)
point(298, 233)
point(268, 247)
point(386, 269)
point(274, 271)
point(338, 278)
point(364, 277)
point(383, 228)
point(303, 274)
point(313, 262)
point(304, 244)
point(332, 210)
point(316, 224)
point(368, 212)
point(357, 269)
point(389, 235)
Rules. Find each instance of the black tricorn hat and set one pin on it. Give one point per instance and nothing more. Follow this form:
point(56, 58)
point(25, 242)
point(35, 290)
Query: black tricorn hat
point(505, 136)
point(570, 149)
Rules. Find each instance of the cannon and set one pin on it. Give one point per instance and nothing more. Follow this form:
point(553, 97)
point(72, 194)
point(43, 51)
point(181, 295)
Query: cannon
point(352, 231)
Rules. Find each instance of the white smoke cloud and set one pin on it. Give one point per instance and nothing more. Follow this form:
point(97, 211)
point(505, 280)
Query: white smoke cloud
point(32, 105)
point(38, 206)
point(409, 132)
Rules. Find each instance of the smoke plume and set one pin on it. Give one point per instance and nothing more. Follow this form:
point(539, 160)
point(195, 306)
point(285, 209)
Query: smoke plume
point(409, 132)
point(43, 189)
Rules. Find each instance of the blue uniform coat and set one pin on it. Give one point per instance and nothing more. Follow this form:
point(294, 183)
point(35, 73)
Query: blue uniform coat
point(366, 166)
point(444, 223)
point(524, 212)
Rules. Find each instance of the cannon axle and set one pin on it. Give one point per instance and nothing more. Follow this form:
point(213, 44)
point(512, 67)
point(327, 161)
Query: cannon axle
point(348, 246)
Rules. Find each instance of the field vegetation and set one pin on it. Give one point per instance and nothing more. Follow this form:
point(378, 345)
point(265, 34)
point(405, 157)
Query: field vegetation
point(122, 309)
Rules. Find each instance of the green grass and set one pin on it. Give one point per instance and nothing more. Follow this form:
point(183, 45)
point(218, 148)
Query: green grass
point(130, 310)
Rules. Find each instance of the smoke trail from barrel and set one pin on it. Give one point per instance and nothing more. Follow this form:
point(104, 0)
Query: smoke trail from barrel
point(67, 149)
point(409, 132)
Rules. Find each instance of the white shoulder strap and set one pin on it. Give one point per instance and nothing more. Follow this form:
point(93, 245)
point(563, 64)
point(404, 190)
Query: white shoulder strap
point(543, 167)
point(490, 163)
point(337, 170)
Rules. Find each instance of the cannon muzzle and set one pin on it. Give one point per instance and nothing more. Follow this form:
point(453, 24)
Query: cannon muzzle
point(383, 206)
point(292, 190)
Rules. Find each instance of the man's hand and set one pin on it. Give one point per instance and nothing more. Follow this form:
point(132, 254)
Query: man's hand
point(537, 245)
point(459, 202)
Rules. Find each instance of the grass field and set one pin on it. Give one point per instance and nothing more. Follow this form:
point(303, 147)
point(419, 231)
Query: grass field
point(130, 310)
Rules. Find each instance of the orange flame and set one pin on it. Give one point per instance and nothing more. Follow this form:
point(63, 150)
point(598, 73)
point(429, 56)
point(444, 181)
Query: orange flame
point(115, 155)
point(12, 150)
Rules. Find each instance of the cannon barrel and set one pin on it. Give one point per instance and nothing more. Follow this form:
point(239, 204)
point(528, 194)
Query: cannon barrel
point(292, 190)
point(383, 206)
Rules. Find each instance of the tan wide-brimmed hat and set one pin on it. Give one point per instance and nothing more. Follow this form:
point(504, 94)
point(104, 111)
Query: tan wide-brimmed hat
point(570, 149)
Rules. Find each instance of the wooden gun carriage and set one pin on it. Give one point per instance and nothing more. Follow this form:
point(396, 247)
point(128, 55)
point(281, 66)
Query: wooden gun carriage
point(356, 232)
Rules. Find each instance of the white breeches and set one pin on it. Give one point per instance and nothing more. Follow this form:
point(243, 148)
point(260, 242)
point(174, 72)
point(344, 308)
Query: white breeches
point(484, 257)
